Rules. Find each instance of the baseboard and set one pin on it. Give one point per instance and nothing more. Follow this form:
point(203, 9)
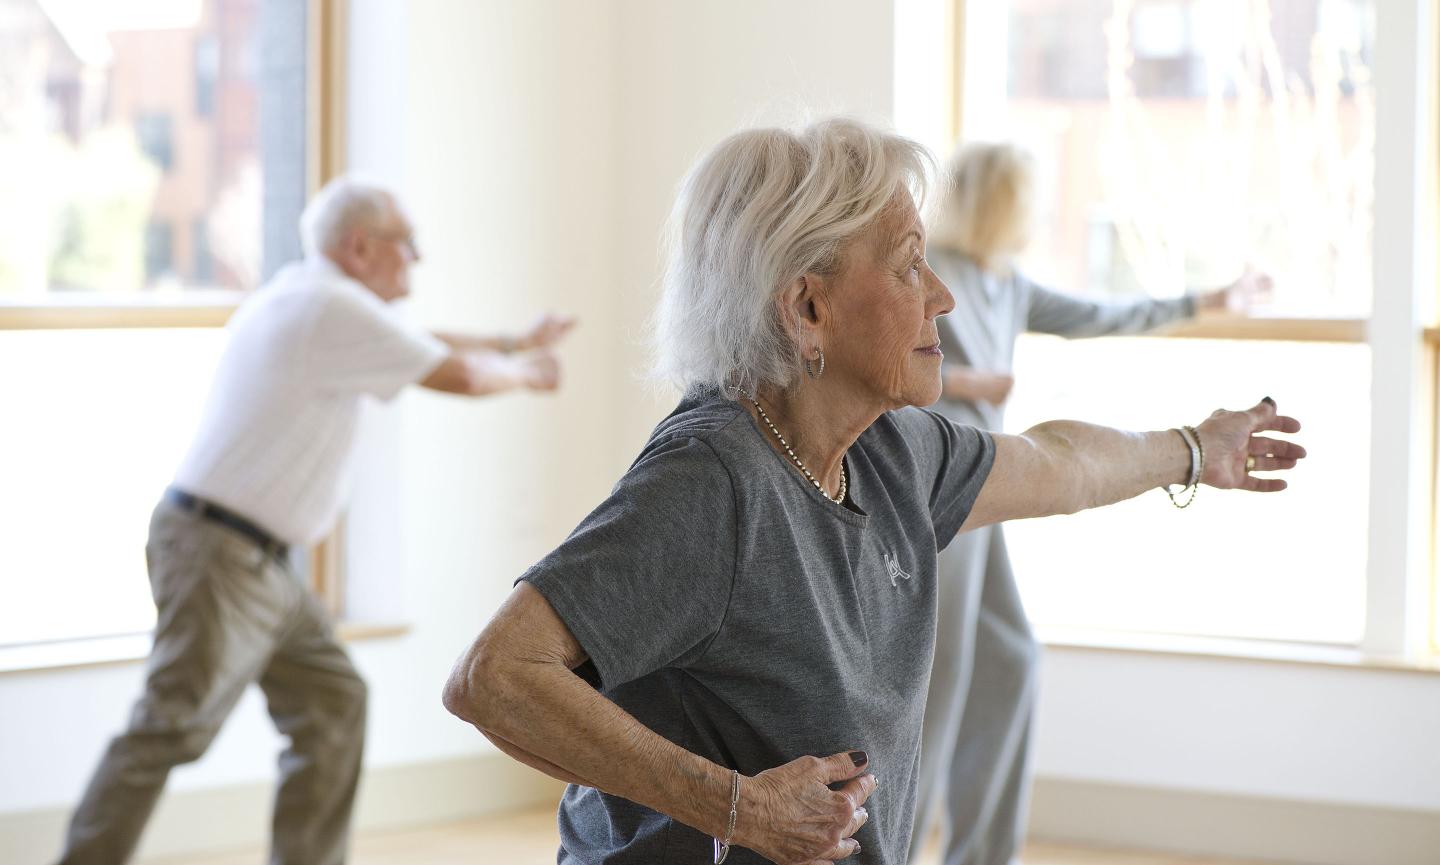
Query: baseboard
point(1080, 812)
point(230, 818)
point(1206, 824)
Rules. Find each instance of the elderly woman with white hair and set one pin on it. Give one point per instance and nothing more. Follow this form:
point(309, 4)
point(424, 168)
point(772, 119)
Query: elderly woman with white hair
point(975, 747)
point(726, 655)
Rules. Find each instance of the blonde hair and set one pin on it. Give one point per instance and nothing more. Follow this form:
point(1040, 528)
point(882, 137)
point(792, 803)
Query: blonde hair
point(763, 208)
point(985, 205)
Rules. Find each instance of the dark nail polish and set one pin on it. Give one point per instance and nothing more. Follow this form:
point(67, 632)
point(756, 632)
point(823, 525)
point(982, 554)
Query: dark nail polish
point(1269, 400)
point(859, 758)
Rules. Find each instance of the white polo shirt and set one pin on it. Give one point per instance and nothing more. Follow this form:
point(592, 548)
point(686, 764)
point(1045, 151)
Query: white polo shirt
point(278, 432)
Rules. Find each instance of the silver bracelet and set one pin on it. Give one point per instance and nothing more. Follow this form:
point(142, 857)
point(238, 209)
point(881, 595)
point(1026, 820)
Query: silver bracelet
point(1197, 468)
point(722, 848)
point(1193, 442)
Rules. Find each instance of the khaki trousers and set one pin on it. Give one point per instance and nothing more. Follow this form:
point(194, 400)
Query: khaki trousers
point(228, 615)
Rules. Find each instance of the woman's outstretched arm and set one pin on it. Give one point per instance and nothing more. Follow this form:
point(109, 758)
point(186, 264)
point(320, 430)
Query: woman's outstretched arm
point(1061, 467)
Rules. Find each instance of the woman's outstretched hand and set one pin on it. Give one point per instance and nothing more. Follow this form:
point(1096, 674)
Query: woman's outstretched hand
point(1234, 448)
point(790, 815)
point(1240, 297)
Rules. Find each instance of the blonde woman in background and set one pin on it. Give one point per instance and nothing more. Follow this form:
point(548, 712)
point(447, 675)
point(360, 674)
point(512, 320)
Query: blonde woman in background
point(975, 747)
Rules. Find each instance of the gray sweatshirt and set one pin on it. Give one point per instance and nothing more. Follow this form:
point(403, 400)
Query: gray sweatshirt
point(991, 311)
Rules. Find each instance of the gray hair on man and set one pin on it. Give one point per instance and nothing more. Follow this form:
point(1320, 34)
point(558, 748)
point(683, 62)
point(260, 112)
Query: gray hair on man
point(763, 208)
point(341, 205)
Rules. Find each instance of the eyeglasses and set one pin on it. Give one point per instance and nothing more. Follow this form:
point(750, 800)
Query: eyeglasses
point(405, 238)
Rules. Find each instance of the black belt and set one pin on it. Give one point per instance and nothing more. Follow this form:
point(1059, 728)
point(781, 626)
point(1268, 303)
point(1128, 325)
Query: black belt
point(229, 519)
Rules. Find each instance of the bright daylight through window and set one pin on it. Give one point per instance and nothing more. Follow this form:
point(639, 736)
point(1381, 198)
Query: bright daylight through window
point(151, 154)
point(1179, 142)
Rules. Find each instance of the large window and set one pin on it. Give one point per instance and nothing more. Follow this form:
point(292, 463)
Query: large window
point(1178, 141)
point(1181, 138)
point(153, 163)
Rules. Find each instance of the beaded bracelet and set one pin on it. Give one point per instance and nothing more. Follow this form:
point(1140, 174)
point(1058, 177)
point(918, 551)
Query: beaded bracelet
point(722, 848)
point(1197, 468)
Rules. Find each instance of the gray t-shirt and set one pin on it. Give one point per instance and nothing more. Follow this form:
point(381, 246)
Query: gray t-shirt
point(732, 609)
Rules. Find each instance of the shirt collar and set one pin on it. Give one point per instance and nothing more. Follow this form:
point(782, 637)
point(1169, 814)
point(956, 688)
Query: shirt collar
point(321, 267)
point(322, 264)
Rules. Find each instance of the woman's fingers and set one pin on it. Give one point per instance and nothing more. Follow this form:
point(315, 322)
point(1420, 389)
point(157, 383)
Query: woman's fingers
point(1270, 464)
point(844, 850)
point(1263, 485)
point(859, 817)
point(1263, 446)
point(858, 790)
point(1280, 423)
point(843, 766)
point(1266, 416)
point(1270, 455)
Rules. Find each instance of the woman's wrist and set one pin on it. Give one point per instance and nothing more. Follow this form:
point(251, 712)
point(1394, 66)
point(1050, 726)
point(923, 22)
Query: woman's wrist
point(700, 797)
point(1196, 452)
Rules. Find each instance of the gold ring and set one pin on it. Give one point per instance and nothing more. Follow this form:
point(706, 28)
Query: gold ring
point(1249, 464)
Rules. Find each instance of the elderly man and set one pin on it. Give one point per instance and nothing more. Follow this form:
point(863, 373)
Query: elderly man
point(267, 472)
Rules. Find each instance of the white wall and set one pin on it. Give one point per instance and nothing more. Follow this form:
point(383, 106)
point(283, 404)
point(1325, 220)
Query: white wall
point(1300, 732)
point(509, 176)
point(689, 74)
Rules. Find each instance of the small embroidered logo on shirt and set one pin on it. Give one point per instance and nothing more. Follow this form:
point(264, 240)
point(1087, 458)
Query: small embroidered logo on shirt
point(892, 567)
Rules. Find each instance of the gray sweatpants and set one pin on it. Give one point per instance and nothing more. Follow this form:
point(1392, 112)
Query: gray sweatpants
point(229, 615)
point(974, 753)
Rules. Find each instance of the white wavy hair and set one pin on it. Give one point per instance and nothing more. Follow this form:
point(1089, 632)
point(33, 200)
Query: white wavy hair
point(762, 209)
point(340, 205)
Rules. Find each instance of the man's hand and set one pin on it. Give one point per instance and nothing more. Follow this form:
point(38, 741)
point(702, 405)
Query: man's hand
point(538, 370)
point(490, 372)
point(545, 332)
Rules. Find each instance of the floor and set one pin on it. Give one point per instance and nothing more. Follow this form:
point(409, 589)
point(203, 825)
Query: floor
point(529, 838)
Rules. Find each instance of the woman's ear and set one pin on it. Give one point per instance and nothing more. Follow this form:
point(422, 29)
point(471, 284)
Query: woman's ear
point(803, 308)
point(809, 301)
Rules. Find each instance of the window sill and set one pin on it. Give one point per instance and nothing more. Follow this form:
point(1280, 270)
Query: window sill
point(1261, 651)
point(1276, 328)
point(190, 308)
point(133, 648)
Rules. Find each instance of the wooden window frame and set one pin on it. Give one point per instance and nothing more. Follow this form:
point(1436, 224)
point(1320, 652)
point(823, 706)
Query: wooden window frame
point(1403, 568)
point(325, 145)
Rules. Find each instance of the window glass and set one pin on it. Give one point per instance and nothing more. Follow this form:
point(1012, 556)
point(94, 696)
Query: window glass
point(1285, 566)
point(1179, 139)
point(110, 413)
point(124, 125)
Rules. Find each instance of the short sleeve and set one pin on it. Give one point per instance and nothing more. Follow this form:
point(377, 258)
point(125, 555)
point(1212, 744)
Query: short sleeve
point(360, 343)
point(955, 459)
point(644, 581)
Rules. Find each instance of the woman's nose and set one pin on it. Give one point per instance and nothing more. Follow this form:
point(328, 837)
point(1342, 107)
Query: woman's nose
point(941, 298)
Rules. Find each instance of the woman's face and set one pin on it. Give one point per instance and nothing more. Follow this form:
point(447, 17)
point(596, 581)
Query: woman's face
point(1022, 215)
point(880, 336)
